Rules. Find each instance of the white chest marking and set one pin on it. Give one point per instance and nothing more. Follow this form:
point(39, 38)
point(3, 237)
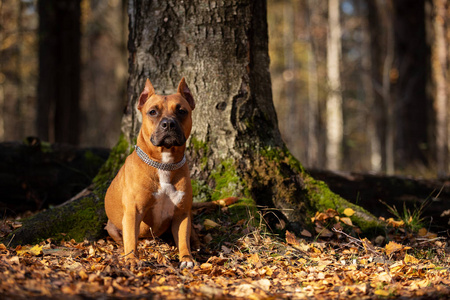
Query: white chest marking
point(167, 197)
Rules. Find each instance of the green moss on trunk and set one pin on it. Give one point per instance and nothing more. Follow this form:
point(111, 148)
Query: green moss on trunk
point(79, 220)
point(321, 198)
point(298, 192)
point(83, 218)
point(109, 170)
point(273, 178)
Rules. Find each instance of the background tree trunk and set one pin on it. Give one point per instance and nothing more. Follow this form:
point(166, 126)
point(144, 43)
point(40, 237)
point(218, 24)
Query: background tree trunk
point(313, 94)
point(235, 148)
point(413, 105)
point(104, 83)
point(373, 115)
point(59, 71)
point(440, 69)
point(385, 12)
point(335, 122)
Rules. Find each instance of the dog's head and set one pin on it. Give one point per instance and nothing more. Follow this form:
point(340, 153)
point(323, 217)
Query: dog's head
point(166, 120)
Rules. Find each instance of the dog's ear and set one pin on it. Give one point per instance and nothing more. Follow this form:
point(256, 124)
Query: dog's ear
point(186, 93)
point(146, 93)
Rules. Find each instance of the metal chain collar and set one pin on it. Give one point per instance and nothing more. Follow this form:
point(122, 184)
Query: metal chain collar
point(161, 166)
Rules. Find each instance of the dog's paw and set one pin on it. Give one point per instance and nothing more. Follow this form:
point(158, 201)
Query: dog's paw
point(187, 263)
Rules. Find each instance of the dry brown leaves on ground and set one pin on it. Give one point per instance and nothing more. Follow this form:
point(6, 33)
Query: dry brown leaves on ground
point(254, 266)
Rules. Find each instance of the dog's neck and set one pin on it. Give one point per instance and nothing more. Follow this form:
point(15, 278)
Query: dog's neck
point(167, 160)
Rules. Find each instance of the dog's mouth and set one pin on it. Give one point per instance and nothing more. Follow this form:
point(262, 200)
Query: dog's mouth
point(168, 140)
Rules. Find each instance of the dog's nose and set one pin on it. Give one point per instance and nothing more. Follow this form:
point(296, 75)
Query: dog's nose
point(167, 124)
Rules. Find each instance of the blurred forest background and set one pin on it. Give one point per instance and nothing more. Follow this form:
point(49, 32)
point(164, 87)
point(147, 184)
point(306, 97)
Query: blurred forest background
point(358, 85)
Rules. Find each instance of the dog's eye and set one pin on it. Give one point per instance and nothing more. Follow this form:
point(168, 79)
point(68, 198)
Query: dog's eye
point(153, 112)
point(182, 111)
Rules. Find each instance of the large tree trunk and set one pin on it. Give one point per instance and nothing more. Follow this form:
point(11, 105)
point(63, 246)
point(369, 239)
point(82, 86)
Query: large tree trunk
point(235, 148)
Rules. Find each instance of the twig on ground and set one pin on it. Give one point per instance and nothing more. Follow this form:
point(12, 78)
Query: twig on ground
point(361, 244)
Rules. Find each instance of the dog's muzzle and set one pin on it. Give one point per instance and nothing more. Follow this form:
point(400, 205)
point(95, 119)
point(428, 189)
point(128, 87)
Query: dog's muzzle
point(168, 134)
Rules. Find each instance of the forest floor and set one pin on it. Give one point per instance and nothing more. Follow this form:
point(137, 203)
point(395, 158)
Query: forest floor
point(238, 260)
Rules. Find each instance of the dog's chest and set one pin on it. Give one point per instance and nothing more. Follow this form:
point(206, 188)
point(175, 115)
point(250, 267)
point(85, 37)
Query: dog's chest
point(167, 194)
point(166, 198)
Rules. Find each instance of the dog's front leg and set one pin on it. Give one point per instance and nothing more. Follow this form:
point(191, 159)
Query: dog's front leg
point(130, 224)
point(181, 230)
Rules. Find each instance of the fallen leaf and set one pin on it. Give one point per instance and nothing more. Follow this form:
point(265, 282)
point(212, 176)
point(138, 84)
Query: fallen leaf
point(72, 265)
point(331, 213)
point(384, 277)
point(14, 260)
point(397, 267)
point(410, 259)
point(431, 235)
point(383, 293)
point(347, 221)
point(266, 270)
point(35, 250)
point(83, 275)
point(208, 238)
point(393, 247)
point(320, 217)
point(16, 225)
point(210, 224)
point(161, 259)
point(306, 233)
point(226, 250)
point(394, 223)
point(338, 227)
point(206, 266)
point(291, 238)
point(243, 290)
point(420, 284)
point(349, 212)
point(323, 232)
point(263, 284)
point(422, 232)
point(210, 291)
point(69, 289)
point(254, 258)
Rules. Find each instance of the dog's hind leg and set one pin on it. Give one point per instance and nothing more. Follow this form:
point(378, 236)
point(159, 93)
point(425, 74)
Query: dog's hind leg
point(114, 232)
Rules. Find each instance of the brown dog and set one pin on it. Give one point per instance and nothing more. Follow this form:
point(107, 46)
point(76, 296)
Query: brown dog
point(152, 191)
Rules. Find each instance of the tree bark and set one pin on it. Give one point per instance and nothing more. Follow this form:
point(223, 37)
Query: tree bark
point(235, 148)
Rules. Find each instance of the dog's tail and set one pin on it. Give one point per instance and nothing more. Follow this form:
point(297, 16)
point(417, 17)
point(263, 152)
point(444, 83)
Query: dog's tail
point(213, 204)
